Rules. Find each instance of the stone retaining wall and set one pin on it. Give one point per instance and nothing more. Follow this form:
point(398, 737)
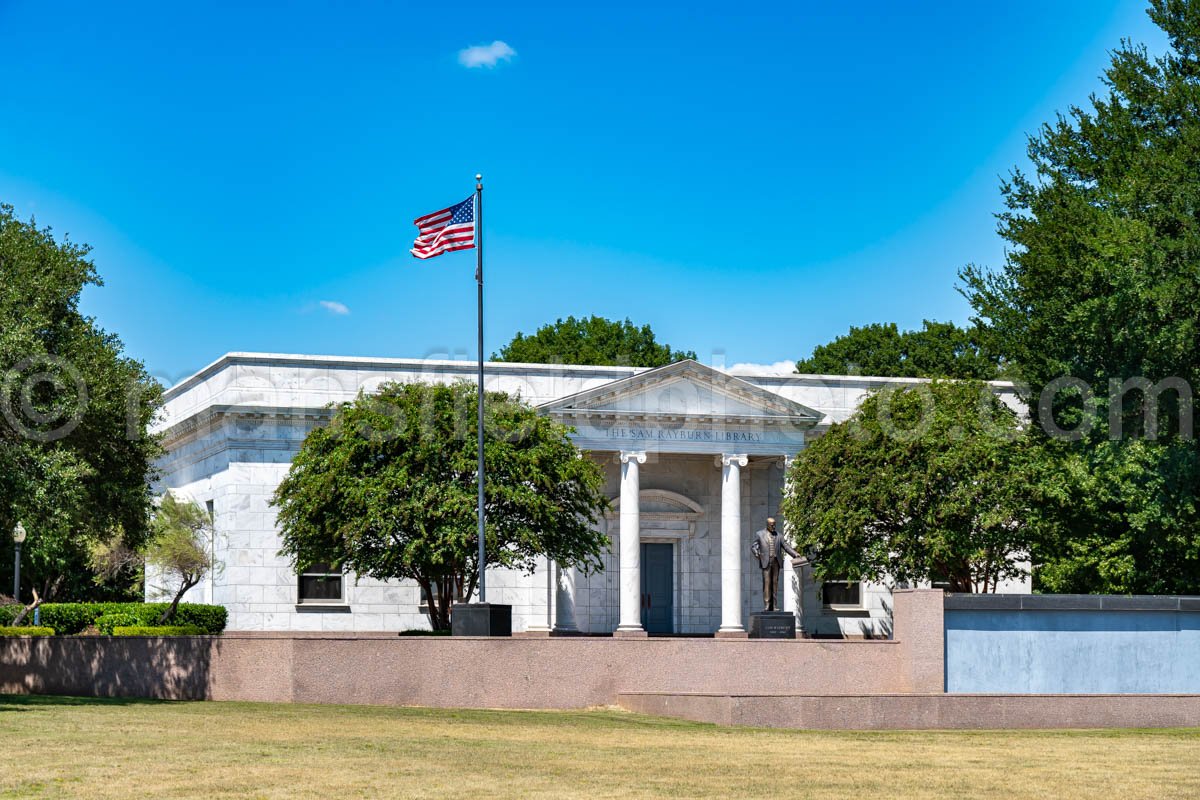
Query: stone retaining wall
point(570, 672)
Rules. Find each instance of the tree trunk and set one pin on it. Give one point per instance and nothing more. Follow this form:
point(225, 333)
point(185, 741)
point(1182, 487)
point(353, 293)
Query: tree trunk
point(37, 601)
point(446, 596)
point(961, 582)
point(169, 613)
point(439, 617)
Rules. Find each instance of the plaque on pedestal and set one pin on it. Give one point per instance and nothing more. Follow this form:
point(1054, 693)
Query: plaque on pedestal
point(773, 625)
point(480, 619)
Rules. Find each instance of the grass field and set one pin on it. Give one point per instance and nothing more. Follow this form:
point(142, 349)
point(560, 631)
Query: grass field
point(68, 747)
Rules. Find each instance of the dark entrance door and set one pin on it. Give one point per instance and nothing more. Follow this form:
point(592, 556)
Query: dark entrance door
point(658, 587)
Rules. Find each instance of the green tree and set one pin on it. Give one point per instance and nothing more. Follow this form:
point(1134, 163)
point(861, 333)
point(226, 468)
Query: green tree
point(179, 549)
point(937, 350)
point(592, 340)
point(388, 491)
point(75, 454)
point(921, 483)
point(1101, 285)
point(177, 552)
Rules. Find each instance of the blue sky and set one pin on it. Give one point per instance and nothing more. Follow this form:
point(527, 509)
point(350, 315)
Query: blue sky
point(750, 179)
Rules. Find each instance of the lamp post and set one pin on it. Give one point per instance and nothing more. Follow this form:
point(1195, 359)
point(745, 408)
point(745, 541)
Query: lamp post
point(18, 540)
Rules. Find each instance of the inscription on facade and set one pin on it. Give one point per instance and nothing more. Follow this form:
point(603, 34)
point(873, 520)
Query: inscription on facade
point(681, 434)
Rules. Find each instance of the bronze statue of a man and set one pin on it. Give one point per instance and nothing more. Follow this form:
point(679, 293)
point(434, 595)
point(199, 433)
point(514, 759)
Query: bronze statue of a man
point(769, 547)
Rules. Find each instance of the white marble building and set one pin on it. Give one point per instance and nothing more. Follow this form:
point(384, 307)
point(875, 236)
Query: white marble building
point(695, 461)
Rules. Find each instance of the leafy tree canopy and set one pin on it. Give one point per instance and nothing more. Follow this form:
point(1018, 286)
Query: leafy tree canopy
point(921, 483)
point(937, 350)
point(388, 490)
point(75, 455)
point(591, 340)
point(1102, 284)
point(1101, 279)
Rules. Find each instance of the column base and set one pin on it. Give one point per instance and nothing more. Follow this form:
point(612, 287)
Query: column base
point(630, 633)
point(731, 633)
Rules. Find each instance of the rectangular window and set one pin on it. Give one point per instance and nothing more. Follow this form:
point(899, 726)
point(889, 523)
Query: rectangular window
point(841, 593)
point(320, 583)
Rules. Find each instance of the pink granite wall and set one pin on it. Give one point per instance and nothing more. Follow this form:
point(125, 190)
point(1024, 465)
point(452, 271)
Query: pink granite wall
point(917, 618)
point(385, 669)
point(176, 668)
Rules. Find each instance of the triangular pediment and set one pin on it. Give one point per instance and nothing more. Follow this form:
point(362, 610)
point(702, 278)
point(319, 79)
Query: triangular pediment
point(683, 390)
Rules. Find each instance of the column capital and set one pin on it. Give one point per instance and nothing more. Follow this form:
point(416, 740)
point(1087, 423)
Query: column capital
point(730, 459)
point(625, 456)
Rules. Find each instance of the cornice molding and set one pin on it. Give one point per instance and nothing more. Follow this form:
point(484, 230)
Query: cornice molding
point(465, 367)
point(212, 416)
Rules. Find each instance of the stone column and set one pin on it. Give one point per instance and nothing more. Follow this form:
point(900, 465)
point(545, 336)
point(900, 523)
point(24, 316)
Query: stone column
point(564, 600)
point(630, 620)
point(731, 544)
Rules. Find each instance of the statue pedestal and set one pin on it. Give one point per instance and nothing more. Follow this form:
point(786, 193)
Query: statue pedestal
point(773, 625)
point(481, 619)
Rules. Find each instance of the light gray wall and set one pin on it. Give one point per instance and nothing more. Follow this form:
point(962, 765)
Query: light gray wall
point(1073, 644)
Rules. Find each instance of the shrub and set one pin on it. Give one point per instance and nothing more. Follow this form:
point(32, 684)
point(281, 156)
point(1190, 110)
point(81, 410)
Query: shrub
point(69, 618)
point(72, 618)
point(210, 619)
point(157, 630)
point(26, 630)
point(106, 622)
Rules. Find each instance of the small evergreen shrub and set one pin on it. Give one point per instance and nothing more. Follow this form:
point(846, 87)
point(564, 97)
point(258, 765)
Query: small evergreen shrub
point(106, 622)
point(26, 630)
point(210, 619)
point(69, 619)
point(157, 630)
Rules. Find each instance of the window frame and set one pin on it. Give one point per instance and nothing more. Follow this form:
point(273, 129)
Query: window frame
point(308, 572)
point(857, 586)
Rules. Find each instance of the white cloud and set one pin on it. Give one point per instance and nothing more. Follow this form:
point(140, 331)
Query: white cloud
point(334, 307)
point(778, 368)
point(486, 55)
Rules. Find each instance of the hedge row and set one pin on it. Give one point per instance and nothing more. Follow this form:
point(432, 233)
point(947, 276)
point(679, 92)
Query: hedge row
point(72, 618)
point(26, 631)
point(162, 630)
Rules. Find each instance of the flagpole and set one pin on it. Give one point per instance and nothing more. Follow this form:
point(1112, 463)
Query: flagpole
point(479, 285)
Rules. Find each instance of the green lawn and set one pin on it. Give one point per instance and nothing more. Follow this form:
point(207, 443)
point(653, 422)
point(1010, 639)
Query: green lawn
point(71, 747)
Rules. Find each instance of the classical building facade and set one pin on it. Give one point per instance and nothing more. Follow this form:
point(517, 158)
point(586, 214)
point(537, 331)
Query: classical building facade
point(694, 459)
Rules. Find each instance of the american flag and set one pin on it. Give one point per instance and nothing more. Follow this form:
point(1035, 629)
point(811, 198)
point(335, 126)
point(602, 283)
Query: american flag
point(445, 231)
